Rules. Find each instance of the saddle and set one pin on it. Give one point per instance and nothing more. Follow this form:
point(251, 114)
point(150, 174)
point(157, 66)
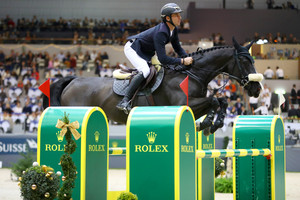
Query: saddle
point(123, 76)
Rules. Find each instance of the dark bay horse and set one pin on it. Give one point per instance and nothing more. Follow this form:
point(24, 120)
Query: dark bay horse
point(235, 61)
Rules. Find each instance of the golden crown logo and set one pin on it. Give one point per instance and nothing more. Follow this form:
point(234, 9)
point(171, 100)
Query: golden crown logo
point(187, 138)
point(207, 138)
point(151, 137)
point(59, 137)
point(97, 134)
point(278, 138)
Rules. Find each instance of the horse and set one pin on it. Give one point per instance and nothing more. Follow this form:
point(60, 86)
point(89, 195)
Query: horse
point(235, 62)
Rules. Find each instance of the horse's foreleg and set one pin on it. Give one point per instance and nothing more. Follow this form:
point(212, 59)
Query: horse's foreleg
point(207, 122)
point(219, 123)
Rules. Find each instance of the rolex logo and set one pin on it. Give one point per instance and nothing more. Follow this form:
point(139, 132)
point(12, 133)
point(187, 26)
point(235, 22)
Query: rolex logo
point(97, 134)
point(187, 138)
point(59, 137)
point(278, 138)
point(207, 138)
point(151, 137)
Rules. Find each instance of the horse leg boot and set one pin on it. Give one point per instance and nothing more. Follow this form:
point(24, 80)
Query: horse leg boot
point(207, 122)
point(219, 123)
point(133, 86)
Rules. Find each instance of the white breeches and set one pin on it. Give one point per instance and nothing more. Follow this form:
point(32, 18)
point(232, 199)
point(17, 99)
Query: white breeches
point(139, 63)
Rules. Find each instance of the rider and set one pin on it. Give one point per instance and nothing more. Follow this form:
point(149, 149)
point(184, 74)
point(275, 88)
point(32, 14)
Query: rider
point(141, 47)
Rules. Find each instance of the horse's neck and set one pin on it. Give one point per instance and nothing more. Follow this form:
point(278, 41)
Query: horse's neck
point(213, 64)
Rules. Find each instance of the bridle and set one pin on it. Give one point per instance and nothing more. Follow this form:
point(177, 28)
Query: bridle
point(245, 77)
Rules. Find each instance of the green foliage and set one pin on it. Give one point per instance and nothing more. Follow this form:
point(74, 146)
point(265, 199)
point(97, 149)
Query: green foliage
point(23, 163)
point(37, 183)
point(67, 164)
point(219, 166)
point(223, 185)
point(127, 196)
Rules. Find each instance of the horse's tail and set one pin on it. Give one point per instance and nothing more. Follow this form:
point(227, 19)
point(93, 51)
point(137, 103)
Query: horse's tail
point(55, 91)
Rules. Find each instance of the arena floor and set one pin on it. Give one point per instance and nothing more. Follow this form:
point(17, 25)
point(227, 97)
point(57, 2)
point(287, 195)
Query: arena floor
point(9, 189)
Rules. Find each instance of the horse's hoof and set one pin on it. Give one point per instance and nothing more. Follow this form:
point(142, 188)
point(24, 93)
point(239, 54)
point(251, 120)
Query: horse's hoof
point(206, 132)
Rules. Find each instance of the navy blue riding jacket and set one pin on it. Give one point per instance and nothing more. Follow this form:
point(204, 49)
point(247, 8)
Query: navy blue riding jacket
point(155, 39)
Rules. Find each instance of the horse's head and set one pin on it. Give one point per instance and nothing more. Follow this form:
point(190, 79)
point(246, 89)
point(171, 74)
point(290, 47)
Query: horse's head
point(244, 70)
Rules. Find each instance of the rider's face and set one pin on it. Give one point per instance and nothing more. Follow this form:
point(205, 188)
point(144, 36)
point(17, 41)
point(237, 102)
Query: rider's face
point(176, 18)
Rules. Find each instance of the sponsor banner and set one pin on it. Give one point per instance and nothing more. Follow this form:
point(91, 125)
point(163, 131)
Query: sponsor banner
point(17, 144)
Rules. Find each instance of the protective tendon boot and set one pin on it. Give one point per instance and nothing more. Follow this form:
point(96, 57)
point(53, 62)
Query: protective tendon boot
point(207, 122)
point(221, 116)
point(134, 84)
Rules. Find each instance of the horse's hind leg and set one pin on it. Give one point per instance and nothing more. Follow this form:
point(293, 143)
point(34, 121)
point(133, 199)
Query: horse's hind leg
point(207, 122)
point(219, 123)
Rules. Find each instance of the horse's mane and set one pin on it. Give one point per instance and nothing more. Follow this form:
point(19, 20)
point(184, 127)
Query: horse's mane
point(203, 51)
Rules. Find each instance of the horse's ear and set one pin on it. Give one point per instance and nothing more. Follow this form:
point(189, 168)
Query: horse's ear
point(249, 45)
point(235, 43)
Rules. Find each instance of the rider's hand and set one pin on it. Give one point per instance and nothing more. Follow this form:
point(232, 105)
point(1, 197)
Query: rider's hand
point(188, 61)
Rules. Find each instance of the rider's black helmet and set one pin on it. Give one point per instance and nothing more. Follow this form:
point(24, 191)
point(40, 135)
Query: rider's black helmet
point(169, 9)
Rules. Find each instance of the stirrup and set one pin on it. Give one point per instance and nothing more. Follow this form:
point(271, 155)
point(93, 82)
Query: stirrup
point(124, 106)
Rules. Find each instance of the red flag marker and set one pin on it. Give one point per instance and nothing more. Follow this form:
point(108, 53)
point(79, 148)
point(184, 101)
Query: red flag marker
point(184, 85)
point(45, 89)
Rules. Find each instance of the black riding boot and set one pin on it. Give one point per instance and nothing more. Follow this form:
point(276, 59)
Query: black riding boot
point(134, 84)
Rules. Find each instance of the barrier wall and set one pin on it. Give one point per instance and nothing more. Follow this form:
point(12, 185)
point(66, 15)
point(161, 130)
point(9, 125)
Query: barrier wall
point(160, 155)
point(91, 155)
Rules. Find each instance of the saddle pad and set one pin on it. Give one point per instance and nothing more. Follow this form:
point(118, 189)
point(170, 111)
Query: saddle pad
point(120, 86)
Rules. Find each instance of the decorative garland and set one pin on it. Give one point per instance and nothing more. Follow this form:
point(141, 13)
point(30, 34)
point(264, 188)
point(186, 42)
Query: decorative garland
point(66, 162)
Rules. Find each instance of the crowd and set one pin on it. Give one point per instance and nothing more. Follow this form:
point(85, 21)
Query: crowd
point(89, 31)
point(272, 5)
point(20, 98)
point(278, 38)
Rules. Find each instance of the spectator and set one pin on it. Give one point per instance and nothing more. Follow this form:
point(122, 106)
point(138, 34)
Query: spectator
point(270, 4)
point(238, 105)
point(279, 73)
point(269, 73)
point(298, 97)
point(292, 112)
point(93, 55)
point(231, 89)
point(244, 111)
point(253, 103)
point(277, 38)
point(3, 94)
point(27, 108)
point(256, 37)
point(7, 117)
point(250, 4)
point(60, 56)
point(73, 61)
point(294, 95)
point(186, 26)
point(263, 109)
